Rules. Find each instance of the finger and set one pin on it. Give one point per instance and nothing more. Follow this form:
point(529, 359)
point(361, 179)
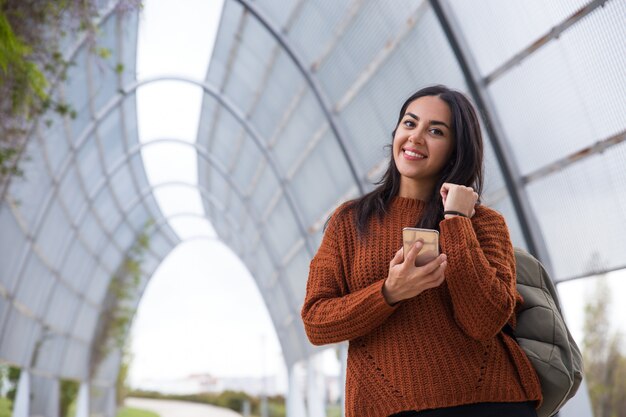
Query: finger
point(397, 258)
point(437, 277)
point(433, 265)
point(414, 251)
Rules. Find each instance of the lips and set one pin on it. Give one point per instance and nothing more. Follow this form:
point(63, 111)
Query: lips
point(413, 154)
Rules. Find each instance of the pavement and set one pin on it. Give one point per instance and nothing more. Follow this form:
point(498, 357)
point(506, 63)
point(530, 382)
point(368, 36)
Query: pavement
point(170, 408)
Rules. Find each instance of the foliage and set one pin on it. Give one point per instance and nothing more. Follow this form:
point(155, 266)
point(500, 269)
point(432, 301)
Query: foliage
point(69, 392)
point(32, 62)
point(121, 384)
point(135, 412)
point(228, 399)
point(118, 307)
point(604, 356)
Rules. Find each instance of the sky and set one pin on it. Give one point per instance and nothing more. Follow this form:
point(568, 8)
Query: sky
point(202, 312)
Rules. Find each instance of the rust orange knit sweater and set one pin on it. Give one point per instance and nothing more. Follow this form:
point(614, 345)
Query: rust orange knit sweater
point(443, 347)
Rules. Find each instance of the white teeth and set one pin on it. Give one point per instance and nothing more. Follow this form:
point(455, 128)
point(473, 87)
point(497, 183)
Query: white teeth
point(413, 154)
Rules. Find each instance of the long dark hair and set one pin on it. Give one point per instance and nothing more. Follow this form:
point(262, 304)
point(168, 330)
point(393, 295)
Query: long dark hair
point(465, 166)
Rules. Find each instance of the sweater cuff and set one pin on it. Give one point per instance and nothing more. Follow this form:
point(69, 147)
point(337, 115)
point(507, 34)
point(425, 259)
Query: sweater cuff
point(460, 228)
point(380, 302)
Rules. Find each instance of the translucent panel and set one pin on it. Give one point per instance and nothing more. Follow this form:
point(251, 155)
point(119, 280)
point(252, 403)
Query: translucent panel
point(124, 236)
point(225, 134)
point(85, 323)
point(279, 13)
point(76, 358)
point(104, 80)
point(62, 309)
point(300, 130)
point(111, 140)
point(493, 179)
point(127, 53)
point(137, 215)
point(316, 26)
point(122, 184)
point(5, 309)
point(139, 171)
point(253, 57)
point(89, 164)
point(295, 275)
point(261, 263)
point(496, 30)
point(278, 96)
point(35, 286)
point(32, 189)
point(108, 369)
point(263, 192)
point(53, 138)
point(323, 176)
point(229, 25)
point(247, 163)
point(368, 36)
point(107, 211)
point(94, 236)
point(18, 338)
point(98, 285)
point(160, 245)
point(281, 228)
point(205, 127)
point(77, 266)
point(218, 185)
point(76, 93)
point(129, 115)
point(71, 193)
point(111, 257)
point(45, 391)
point(54, 234)
point(13, 249)
point(566, 106)
point(585, 231)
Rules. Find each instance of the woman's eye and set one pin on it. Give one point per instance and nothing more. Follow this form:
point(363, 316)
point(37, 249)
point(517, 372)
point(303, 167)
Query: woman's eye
point(437, 132)
point(409, 123)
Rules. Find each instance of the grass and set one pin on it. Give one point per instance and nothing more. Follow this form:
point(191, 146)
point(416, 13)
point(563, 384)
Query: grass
point(135, 412)
point(5, 407)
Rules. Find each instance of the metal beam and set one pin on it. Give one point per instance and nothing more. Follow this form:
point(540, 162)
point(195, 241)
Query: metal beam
point(317, 90)
point(511, 174)
point(552, 34)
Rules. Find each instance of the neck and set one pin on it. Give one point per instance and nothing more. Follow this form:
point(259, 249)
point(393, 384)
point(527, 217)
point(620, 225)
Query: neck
point(415, 189)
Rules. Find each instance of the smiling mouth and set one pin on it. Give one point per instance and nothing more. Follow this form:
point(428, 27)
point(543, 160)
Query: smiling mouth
point(413, 154)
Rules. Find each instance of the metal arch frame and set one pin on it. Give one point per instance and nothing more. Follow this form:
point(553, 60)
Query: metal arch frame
point(207, 157)
point(313, 84)
point(273, 258)
point(207, 88)
point(510, 172)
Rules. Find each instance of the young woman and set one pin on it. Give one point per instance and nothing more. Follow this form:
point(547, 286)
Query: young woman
point(425, 340)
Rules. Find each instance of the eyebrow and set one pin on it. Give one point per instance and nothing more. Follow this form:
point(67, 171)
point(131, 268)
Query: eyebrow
point(432, 122)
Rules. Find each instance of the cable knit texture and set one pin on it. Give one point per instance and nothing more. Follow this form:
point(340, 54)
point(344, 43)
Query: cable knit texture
point(441, 348)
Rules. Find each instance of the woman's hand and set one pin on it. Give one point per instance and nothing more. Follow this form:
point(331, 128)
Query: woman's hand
point(459, 198)
point(405, 280)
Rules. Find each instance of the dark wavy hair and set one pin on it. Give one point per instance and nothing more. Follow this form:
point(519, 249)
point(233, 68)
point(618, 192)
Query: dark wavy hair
point(465, 166)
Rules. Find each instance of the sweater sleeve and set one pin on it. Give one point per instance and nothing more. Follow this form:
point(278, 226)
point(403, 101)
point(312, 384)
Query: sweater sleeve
point(481, 272)
point(331, 313)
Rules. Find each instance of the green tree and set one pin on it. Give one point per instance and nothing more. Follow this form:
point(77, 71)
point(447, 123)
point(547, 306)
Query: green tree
point(605, 361)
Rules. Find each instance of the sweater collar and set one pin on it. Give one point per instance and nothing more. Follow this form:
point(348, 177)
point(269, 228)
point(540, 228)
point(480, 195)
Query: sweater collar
point(407, 203)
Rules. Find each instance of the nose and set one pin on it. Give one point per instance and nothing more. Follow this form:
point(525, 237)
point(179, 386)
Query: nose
point(417, 136)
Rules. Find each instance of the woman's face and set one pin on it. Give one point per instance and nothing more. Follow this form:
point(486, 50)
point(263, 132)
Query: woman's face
point(423, 144)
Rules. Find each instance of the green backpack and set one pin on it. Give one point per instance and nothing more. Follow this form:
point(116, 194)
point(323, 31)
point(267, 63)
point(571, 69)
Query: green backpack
point(542, 333)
